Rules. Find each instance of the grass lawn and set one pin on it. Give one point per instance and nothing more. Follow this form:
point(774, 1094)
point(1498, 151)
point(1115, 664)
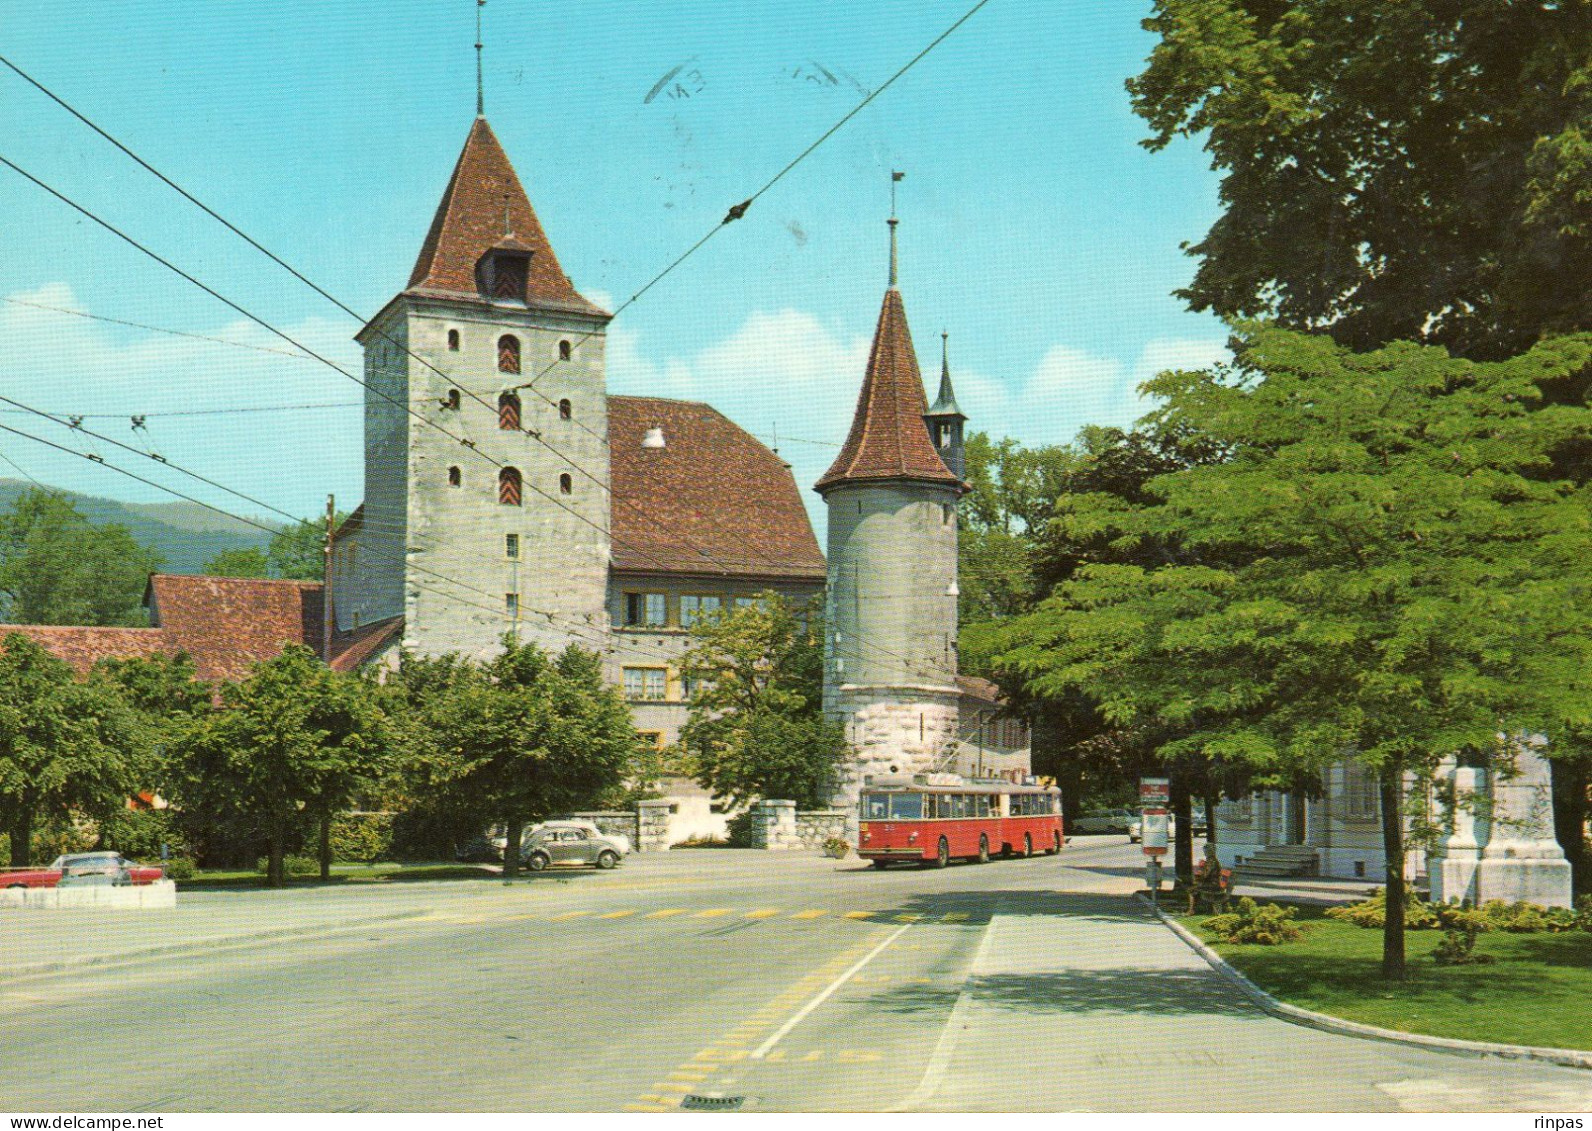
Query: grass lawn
point(1538, 990)
point(341, 874)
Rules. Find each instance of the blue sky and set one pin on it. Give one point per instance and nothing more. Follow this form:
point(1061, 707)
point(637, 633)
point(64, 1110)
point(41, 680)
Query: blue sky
point(1035, 229)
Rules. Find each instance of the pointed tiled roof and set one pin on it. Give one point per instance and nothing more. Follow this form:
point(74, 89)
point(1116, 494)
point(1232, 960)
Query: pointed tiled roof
point(888, 438)
point(470, 221)
point(945, 403)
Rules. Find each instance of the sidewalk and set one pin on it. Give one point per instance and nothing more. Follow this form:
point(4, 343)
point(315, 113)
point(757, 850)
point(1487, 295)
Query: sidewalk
point(1108, 1010)
point(39, 941)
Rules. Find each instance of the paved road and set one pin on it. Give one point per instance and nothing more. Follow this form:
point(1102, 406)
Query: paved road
point(795, 982)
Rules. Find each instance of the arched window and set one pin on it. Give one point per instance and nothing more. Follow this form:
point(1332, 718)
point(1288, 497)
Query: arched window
point(451, 400)
point(563, 350)
point(509, 487)
point(508, 354)
point(454, 477)
point(565, 412)
point(565, 484)
point(453, 341)
point(509, 412)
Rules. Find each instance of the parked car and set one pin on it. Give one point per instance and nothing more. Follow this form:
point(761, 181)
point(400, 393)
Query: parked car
point(619, 839)
point(1102, 821)
point(1136, 830)
point(564, 843)
point(83, 867)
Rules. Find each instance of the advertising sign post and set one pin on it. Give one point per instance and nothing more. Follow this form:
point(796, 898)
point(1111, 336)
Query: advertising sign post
point(1155, 796)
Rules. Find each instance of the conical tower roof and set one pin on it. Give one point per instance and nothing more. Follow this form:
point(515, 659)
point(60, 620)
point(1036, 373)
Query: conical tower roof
point(945, 403)
point(888, 439)
point(484, 207)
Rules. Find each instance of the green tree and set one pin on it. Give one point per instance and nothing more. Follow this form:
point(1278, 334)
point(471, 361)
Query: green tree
point(1386, 566)
point(62, 744)
point(249, 561)
point(286, 747)
point(524, 736)
point(298, 552)
point(1417, 171)
point(1011, 490)
point(756, 726)
point(56, 567)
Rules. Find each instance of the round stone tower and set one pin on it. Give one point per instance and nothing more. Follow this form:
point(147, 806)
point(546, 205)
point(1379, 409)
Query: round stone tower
point(890, 627)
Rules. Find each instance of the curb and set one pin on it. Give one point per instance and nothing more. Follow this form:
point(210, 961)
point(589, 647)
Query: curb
point(218, 942)
point(1568, 1058)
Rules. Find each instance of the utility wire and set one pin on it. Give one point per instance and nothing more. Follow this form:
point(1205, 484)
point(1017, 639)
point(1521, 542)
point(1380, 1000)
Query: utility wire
point(463, 441)
point(155, 329)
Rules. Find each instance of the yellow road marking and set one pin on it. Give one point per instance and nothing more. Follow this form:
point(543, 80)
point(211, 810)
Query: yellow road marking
point(645, 1107)
point(564, 916)
point(814, 914)
point(684, 1089)
point(954, 916)
point(907, 918)
point(763, 913)
point(858, 914)
point(615, 914)
point(692, 1077)
point(712, 913)
point(664, 914)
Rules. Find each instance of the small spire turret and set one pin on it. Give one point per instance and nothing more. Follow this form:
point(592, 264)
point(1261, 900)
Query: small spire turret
point(944, 419)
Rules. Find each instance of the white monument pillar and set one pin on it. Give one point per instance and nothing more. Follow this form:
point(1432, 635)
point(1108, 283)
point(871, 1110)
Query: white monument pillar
point(1452, 865)
point(1522, 859)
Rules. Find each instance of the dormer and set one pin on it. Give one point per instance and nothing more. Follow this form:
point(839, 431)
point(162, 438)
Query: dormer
point(501, 273)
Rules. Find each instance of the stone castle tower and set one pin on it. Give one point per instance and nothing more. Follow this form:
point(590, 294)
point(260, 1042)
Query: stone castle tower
point(890, 648)
point(497, 518)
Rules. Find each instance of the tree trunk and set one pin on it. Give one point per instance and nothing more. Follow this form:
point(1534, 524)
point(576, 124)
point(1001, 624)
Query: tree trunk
point(511, 849)
point(1571, 779)
point(326, 846)
point(22, 838)
point(1391, 787)
point(1183, 847)
point(1210, 802)
point(275, 869)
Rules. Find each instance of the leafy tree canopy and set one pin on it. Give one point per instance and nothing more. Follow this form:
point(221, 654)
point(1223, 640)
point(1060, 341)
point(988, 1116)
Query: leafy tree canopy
point(56, 567)
point(63, 743)
point(1417, 171)
point(1385, 564)
point(522, 737)
point(756, 727)
point(295, 553)
point(292, 741)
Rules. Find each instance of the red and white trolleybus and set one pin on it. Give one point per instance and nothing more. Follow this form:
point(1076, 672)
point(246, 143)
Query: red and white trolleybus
point(935, 817)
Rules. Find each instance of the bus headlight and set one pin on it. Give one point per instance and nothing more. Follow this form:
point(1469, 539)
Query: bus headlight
point(912, 837)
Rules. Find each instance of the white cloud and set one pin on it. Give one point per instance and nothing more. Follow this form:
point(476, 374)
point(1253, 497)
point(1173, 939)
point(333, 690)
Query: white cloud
point(66, 364)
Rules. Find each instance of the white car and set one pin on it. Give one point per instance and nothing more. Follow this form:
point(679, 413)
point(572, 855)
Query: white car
point(1136, 829)
point(589, 826)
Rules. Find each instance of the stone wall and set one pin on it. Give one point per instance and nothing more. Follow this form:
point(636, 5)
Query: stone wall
point(774, 826)
point(652, 826)
point(818, 825)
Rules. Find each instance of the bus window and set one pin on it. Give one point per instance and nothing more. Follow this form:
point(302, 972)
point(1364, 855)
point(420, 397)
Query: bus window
point(983, 805)
point(907, 806)
point(930, 805)
point(873, 807)
point(1016, 804)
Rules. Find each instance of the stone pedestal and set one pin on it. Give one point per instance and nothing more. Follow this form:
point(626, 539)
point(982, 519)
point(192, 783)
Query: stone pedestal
point(652, 826)
point(1522, 859)
point(1452, 865)
point(774, 826)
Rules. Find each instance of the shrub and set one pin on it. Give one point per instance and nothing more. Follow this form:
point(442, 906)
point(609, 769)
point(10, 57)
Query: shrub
point(1372, 912)
point(292, 864)
point(1266, 925)
point(138, 834)
point(1518, 918)
point(837, 848)
point(739, 830)
point(362, 838)
point(181, 868)
point(1458, 948)
point(62, 835)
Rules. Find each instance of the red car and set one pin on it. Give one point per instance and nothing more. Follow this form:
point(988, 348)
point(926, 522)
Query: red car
point(82, 864)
